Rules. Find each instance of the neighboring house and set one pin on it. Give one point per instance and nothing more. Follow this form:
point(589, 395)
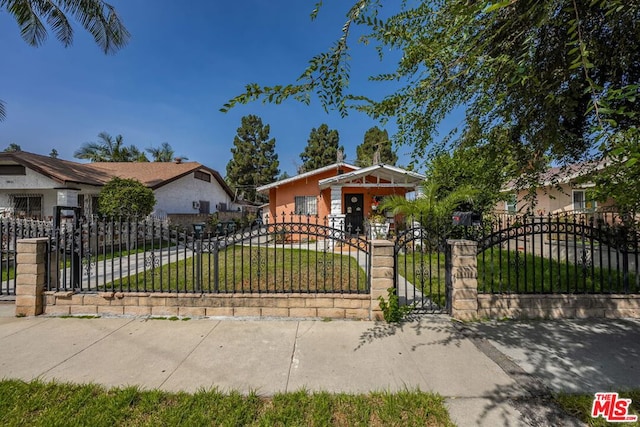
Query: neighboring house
point(29, 184)
point(344, 194)
point(560, 190)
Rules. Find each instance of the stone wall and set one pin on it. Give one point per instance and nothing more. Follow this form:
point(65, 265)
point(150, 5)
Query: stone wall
point(467, 304)
point(335, 306)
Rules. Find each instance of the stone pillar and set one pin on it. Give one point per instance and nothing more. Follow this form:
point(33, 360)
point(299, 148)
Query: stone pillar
point(31, 276)
point(381, 274)
point(336, 200)
point(463, 279)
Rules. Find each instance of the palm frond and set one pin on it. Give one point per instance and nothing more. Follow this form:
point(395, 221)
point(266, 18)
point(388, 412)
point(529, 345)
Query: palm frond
point(101, 20)
point(58, 21)
point(25, 13)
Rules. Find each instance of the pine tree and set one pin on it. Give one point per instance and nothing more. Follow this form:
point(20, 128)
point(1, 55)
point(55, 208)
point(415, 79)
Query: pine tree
point(376, 148)
point(254, 162)
point(321, 149)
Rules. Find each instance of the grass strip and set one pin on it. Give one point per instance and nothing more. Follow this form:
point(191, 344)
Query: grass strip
point(39, 403)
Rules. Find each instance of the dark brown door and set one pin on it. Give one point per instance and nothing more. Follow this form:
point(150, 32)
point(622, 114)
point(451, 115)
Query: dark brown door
point(354, 213)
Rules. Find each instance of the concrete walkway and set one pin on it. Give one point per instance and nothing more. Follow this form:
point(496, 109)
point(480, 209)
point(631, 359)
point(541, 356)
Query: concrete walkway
point(481, 369)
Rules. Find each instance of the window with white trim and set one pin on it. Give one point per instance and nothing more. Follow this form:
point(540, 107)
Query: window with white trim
point(27, 205)
point(582, 202)
point(306, 205)
point(510, 205)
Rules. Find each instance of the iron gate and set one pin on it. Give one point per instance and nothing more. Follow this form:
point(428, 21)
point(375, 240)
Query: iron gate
point(420, 264)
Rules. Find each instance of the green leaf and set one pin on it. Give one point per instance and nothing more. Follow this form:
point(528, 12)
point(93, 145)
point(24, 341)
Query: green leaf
point(497, 6)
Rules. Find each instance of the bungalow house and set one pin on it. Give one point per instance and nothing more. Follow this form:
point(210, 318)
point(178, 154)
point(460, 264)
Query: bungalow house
point(560, 190)
point(30, 183)
point(344, 194)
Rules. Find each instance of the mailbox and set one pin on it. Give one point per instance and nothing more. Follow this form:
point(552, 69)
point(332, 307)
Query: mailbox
point(467, 219)
point(198, 228)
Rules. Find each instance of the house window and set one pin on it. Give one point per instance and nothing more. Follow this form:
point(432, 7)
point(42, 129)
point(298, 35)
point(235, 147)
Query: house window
point(582, 202)
point(12, 170)
point(27, 205)
point(204, 207)
point(510, 205)
point(202, 176)
point(306, 205)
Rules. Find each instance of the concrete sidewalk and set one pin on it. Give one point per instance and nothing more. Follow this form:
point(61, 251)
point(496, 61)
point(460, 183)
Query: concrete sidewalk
point(270, 356)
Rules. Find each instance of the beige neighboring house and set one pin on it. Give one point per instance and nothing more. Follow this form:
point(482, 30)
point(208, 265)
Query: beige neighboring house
point(29, 185)
point(561, 190)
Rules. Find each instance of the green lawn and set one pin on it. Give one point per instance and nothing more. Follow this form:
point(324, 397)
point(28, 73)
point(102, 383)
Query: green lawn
point(579, 405)
point(9, 273)
point(52, 404)
point(501, 270)
point(244, 269)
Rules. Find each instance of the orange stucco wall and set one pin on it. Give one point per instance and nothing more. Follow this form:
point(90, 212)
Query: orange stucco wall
point(282, 198)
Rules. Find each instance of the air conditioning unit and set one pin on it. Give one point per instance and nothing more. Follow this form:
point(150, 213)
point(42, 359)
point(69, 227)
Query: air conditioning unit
point(196, 204)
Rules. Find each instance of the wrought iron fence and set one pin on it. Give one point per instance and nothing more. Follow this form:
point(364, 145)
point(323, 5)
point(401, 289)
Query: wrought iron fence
point(555, 254)
point(301, 254)
point(12, 230)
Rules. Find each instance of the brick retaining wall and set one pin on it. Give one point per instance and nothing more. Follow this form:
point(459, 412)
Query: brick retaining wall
point(558, 306)
point(335, 306)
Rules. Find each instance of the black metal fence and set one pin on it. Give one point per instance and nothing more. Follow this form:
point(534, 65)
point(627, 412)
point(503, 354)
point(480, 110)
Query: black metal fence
point(596, 254)
point(12, 230)
point(301, 254)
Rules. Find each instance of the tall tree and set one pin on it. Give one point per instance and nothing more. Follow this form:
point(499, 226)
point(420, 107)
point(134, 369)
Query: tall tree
point(254, 160)
point(54, 153)
point(376, 148)
point(12, 148)
point(558, 77)
point(321, 150)
point(163, 153)
point(109, 149)
point(98, 17)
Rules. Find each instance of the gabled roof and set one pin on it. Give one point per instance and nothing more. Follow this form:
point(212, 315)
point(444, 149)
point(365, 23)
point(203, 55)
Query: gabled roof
point(392, 175)
point(62, 171)
point(562, 175)
point(334, 166)
point(151, 174)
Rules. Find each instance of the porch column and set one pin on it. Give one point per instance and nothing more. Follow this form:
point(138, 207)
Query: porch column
point(336, 200)
point(336, 217)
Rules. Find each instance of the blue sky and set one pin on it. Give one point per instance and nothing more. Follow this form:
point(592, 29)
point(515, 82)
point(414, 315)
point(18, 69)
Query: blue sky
point(184, 61)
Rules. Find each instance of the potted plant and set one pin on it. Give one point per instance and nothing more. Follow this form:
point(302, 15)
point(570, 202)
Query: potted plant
point(378, 227)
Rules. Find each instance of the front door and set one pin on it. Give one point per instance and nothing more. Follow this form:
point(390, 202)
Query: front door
point(354, 213)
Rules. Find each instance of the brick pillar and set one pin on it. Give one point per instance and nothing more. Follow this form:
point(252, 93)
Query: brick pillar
point(31, 276)
point(463, 279)
point(381, 274)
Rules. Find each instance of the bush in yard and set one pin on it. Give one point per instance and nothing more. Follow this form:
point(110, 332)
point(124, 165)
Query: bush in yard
point(126, 198)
